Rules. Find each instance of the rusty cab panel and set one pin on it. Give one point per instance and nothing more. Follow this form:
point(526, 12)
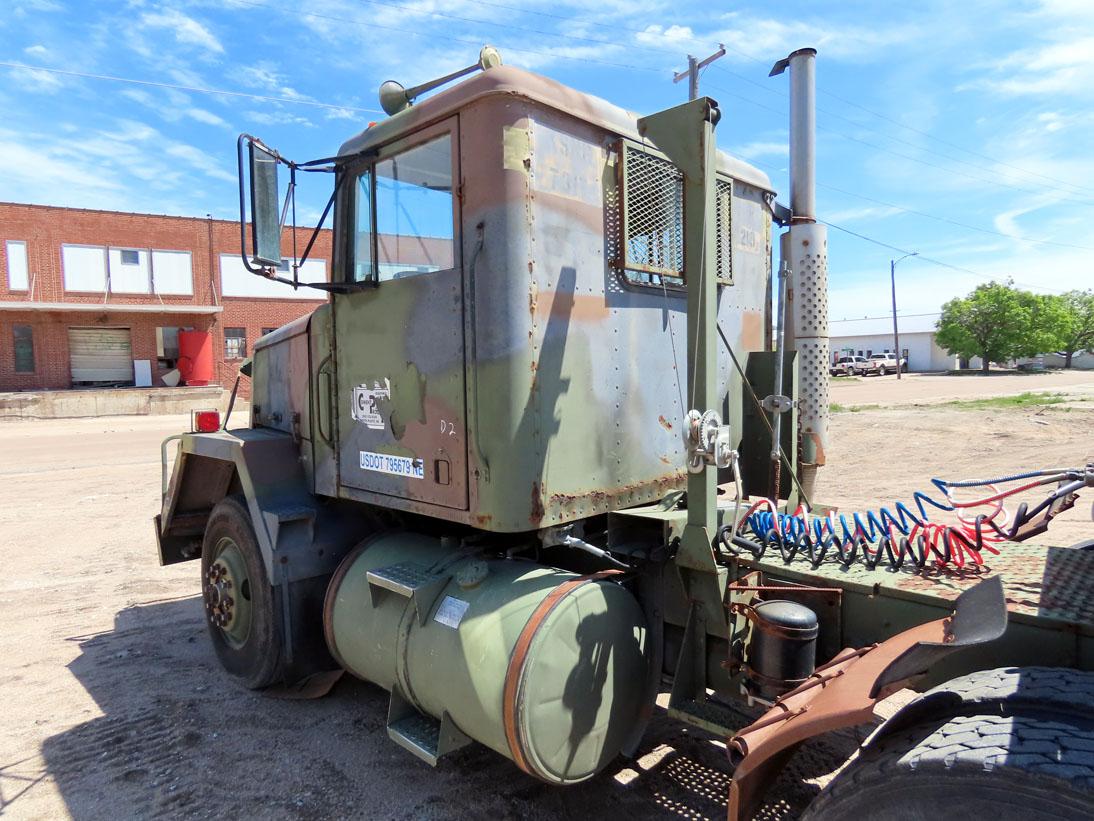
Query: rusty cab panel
point(517, 364)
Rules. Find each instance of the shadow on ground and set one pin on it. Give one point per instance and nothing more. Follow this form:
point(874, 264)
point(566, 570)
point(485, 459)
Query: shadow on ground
point(178, 739)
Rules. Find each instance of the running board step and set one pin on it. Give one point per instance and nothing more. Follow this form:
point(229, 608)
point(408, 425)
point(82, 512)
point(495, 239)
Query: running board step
point(424, 736)
point(411, 580)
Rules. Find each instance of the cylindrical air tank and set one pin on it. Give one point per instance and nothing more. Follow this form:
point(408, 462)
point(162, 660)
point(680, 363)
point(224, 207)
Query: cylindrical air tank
point(544, 666)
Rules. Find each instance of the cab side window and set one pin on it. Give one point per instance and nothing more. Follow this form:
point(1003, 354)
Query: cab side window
point(404, 214)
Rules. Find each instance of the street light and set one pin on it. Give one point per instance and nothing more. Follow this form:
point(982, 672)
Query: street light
point(896, 333)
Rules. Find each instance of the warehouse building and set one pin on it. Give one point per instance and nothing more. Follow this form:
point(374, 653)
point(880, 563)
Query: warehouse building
point(98, 298)
point(864, 337)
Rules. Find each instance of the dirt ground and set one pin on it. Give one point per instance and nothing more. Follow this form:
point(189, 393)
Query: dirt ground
point(113, 705)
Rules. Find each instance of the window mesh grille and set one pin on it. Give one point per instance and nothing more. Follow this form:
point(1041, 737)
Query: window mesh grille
point(653, 221)
point(653, 218)
point(723, 237)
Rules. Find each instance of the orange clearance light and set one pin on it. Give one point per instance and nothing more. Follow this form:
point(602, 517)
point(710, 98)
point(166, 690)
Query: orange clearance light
point(205, 421)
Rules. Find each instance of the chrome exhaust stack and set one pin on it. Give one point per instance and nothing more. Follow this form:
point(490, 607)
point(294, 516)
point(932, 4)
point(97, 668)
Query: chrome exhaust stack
point(805, 248)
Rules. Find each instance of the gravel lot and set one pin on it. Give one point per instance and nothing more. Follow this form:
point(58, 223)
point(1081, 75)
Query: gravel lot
point(115, 706)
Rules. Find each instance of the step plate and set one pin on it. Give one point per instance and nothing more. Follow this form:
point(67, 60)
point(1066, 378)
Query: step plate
point(403, 578)
point(420, 735)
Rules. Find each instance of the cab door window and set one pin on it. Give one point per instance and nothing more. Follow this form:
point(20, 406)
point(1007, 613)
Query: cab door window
point(405, 214)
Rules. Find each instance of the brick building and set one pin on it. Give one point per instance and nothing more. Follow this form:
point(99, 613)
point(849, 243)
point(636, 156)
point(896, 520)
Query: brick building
point(89, 297)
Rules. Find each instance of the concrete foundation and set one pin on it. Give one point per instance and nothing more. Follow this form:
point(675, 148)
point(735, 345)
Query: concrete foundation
point(114, 402)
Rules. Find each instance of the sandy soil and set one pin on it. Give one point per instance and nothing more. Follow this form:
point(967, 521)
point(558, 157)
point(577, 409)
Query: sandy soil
point(114, 706)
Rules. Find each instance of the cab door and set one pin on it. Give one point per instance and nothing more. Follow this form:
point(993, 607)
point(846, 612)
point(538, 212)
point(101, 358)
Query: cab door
point(399, 341)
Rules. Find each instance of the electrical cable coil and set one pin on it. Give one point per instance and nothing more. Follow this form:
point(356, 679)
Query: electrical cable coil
point(904, 536)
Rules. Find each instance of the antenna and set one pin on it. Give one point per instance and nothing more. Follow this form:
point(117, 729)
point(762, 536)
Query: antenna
point(394, 98)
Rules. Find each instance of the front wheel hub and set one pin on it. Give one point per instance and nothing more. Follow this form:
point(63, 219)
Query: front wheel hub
point(226, 589)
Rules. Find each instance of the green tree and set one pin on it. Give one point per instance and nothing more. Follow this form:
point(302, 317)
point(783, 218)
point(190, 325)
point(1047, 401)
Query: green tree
point(992, 322)
point(1077, 332)
point(1048, 324)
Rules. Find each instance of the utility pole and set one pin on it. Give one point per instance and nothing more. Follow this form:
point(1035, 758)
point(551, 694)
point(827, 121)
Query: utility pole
point(896, 332)
point(693, 69)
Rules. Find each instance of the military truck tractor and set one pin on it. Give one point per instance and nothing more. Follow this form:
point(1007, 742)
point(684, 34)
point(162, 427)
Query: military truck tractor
point(549, 450)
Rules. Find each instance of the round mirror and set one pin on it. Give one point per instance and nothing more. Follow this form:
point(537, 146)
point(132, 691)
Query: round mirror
point(393, 97)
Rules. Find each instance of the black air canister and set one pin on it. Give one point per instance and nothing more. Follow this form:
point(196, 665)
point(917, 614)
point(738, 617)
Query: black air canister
point(782, 650)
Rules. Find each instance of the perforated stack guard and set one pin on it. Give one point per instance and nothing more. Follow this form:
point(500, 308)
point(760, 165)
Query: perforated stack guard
point(806, 246)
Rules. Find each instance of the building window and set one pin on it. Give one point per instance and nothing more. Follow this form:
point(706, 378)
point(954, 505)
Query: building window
point(235, 343)
point(18, 277)
point(268, 331)
point(869, 352)
point(130, 256)
point(24, 349)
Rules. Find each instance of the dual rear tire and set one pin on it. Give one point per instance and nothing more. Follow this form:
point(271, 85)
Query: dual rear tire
point(1013, 744)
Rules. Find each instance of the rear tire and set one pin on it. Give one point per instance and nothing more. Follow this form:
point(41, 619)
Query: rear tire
point(881, 371)
point(240, 604)
point(1014, 744)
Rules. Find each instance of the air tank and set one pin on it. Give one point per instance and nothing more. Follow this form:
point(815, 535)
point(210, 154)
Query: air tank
point(543, 666)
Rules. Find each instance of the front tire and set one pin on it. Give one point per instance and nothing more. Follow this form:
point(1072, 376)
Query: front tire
point(882, 371)
point(240, 603)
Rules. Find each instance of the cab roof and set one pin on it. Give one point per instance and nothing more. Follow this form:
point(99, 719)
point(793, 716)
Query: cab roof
point(512, 81)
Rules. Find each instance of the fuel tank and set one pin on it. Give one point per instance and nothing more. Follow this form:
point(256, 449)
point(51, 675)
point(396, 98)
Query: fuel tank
point(541, 665)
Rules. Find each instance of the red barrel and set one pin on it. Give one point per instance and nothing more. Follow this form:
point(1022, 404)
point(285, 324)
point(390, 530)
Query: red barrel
point(196, 357)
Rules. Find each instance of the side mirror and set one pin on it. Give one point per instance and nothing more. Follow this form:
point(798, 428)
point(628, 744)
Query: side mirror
point(265, 206)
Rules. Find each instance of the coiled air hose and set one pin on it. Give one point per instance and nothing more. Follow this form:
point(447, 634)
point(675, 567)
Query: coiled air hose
point(905, 536)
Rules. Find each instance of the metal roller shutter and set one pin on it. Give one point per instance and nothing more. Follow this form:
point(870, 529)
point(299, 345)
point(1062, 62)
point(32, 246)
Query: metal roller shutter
point(100, 355)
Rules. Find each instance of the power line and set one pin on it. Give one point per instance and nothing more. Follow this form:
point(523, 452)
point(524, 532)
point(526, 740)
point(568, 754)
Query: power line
point(931, 260)
point(652, 48)
point(930, 136)
point(957, 223)
point(919, 160)
point(416, 33)
point(935, 217)
point(192, 89)
point(898, 124)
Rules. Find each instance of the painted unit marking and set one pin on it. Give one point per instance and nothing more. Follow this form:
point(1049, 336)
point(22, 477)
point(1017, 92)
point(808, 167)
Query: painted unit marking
point(394, 465)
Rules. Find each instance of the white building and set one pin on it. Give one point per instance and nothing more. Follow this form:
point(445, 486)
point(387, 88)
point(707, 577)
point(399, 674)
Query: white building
point(863, 337)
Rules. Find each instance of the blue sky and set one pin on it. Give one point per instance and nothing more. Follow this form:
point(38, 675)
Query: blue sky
point(962, 131)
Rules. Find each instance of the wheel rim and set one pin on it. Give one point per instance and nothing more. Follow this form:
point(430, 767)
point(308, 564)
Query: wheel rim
point(227, 592)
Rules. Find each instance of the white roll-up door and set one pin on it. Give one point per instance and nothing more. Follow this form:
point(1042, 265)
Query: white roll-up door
point(100, 354)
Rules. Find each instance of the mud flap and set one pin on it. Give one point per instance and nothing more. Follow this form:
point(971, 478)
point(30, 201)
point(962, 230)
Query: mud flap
point(843, 692)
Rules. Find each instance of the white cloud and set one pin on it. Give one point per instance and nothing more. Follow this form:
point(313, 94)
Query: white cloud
point(875, 212)
point(206, 117)
point(761, 148)
point(36, 51)
point(29, 79)
point(187, 30)
point(656, 35)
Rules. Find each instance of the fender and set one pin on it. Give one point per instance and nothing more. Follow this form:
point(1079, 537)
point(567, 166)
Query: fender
point(301, 535)
point(843, 692)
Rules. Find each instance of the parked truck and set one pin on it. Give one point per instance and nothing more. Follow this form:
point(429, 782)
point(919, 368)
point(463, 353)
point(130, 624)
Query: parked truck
point(548, 450)
point(885, 363)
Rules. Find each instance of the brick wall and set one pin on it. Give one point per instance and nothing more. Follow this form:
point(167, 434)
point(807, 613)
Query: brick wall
point(45, 229)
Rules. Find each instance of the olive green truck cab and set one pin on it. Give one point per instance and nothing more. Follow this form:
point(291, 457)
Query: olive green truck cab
point(503, 472)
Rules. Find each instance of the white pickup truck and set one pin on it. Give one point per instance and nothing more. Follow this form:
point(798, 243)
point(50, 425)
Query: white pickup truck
point(883, 363)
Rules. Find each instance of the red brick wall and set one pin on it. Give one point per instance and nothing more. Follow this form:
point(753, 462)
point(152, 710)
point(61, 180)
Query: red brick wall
point(45, 229)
